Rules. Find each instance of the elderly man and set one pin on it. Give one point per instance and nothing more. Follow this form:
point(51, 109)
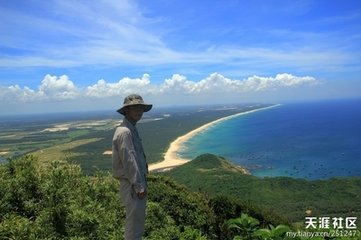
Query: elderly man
point(130, 166)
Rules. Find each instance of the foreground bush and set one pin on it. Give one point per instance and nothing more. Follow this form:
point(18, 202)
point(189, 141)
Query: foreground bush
point(59, 202)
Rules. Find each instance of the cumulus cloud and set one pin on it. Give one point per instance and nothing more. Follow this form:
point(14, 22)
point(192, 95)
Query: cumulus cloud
point(257, 83)
point(51, 88)
point(125, 86)
point(62, 88)
point(177, 83)
point(217, 83)
point(16, 93)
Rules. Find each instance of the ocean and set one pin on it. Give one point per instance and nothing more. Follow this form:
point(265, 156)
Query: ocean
point(313, 140)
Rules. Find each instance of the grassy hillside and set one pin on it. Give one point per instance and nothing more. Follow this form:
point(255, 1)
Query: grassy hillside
point(288, 197)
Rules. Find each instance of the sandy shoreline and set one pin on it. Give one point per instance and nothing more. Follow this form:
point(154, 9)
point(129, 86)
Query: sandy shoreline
point(172, 159)
point(4, 153)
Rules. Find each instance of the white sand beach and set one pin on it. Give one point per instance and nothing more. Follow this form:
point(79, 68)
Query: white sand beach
point(4, 153)
point(58, 128)
point(172, 159)
point(108, 152)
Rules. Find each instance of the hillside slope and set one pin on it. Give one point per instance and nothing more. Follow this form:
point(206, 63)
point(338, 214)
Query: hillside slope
point(289, 197)
point(58, 201)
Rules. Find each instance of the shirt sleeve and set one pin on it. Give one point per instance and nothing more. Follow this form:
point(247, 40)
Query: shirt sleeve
point(128, 155)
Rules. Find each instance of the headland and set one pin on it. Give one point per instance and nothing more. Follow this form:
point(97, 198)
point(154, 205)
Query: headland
point(173, 159)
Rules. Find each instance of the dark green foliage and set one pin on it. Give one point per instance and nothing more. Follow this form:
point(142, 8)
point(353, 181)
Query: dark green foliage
point(280, 196)
point(57, 203)
point(60, 202)
point(276, 233)
point(184, 208)
point(226, 208)
point(245, 226)
point(13, 193)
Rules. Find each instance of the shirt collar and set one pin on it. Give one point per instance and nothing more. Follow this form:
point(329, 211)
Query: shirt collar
point(128, 124)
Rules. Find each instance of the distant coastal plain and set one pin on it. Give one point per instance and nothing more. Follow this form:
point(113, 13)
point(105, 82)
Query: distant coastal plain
point(53, 133)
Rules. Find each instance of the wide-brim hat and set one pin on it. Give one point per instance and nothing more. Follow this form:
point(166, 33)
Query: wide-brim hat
point(134, 99)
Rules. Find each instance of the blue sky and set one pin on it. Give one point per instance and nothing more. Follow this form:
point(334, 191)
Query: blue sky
point(62, 55)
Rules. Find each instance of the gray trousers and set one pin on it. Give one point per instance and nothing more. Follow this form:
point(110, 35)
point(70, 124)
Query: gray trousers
point(134, 211)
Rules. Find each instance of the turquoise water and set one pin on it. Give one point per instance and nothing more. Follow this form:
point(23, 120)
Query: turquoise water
point(315, 140)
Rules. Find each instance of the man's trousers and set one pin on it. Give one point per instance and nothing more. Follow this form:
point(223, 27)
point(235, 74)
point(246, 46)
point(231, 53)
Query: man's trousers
point(134, 210)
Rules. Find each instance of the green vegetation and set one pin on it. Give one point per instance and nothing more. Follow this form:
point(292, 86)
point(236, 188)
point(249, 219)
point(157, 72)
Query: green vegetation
point(58, 201)
point(23, 142)
point(247, 228)
point(288, 197)
point(57, 151)
point(63, 203)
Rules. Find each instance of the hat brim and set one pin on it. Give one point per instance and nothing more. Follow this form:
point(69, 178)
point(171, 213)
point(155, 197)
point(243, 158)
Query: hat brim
point(146, 107)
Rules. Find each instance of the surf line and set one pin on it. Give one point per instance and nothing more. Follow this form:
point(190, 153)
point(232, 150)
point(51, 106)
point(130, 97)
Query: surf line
point(172, 159)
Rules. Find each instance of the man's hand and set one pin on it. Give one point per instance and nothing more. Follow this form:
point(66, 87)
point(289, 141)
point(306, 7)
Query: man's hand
point(142, 194)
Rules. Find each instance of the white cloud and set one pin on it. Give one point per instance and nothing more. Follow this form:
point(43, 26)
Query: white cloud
point(125, 86)
point(176, 84)
point(17, 94)
point(217, 83)
point(51, 88)
point(62, 88)
point(257, 83)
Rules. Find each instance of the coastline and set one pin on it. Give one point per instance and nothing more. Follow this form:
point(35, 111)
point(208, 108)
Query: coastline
point(172, 159)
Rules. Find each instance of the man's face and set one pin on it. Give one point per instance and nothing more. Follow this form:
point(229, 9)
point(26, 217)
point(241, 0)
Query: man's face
point(135, 113)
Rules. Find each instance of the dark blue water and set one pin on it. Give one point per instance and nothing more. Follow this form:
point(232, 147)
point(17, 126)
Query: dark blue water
point(307, 140)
